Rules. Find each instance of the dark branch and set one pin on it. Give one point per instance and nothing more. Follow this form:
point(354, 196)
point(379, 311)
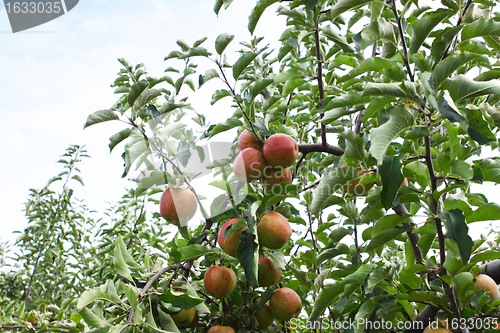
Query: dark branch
point(319, 148)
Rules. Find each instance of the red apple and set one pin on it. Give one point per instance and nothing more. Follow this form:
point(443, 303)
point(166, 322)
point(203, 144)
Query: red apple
point(219, 281)
point(273, 230)
point(268, 274)
point(484, 282)
point(232, 241)
point(184, 318)
point(353, 188)
point(178, 205)
point(280, 150)
point(285, 304)
point(264, 317)
point(248, 140)
point(221, 329)
point(249, 165)
point(276, 176)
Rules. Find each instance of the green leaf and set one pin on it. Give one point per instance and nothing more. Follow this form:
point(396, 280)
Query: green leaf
point(448, 66)
point(230, 123)
point(259, 86)
point(480, 28)
point(330, 184)
point(256, 13)
point(343, 6)
point(355, 146)
point(242, 63)
point(119, 137)
point(401, 118)
point(448, 108)
point(461, 284)
point(328, 254)
point(493, 74)
point(406, 90)
point(458, 231)
point(388, 222)
point(422, 27)
point(194, 251)
point(485, 256)
point(392, 179)
point(219, 94)
point(145, 97)
point(487, 212)
point(375, 64)
point(339, 40)
point(156, 177)
point(490, 170)
point(131, 294)
point(463, 169)
point(383, 238)
point(461, 87)
point(326, 296)
point(99, 117)
point(93, 320)
point(180, 300)
point(479, 130)
point(222, 42)
point(136, 90)
point(364, 313)
point(377, 30)
point(248, 255)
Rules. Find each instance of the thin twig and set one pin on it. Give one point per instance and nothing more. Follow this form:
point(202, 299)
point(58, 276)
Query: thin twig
point(403, 41)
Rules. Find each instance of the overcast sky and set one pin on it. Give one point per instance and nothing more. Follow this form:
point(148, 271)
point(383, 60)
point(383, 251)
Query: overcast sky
point(56, 74)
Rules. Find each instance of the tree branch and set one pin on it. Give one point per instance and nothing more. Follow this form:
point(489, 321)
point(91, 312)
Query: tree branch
point(403, 41)
point(321, 88)
point(401, 210)
point(319, 148)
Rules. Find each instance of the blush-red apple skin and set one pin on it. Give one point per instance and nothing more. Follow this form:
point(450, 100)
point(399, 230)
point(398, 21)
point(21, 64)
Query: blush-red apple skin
point(264, 317)
point(273, 230)
point(354, 189)
point(285, 304)
point(247, 140)
point(221, 329)
point(230, 245)
point(249, 165)
point(280, 150)
point(219, 281)
point(276, 176)
point(268, 274)
point(484, 282)
point(178, 204)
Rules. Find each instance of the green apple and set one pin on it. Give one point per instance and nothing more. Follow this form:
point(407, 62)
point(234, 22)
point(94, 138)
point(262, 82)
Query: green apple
point(230, 245)
point(184, 317)
point(285, 304)
point(268, 274)
point(219, 281)
point(178, 205)
point(249, 165)
point(273, 230)
point(280, 150)
point(264, 317)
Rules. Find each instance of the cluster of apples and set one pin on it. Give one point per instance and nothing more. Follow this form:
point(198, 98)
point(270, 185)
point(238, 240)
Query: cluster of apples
point(483, 282)
point(270, 163)
point(273, 231)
